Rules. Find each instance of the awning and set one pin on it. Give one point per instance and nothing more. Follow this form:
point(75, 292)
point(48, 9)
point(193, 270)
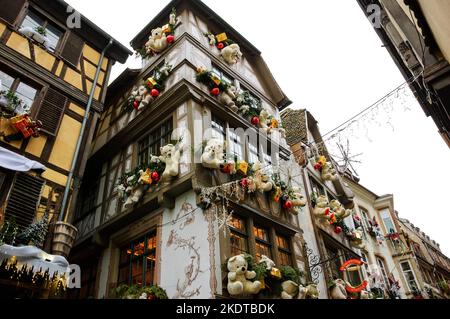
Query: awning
point(16, 162)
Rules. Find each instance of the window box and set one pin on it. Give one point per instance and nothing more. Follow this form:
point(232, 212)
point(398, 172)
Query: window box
point(36, 36)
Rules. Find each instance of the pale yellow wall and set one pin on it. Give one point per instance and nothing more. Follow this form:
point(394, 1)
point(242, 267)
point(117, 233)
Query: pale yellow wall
point(20, 44)
point(36, 145)
point(59, 68)
point(89, 69)
point(74, 78)
point(44, 58)
point(94, 56)
point(55, 177)
point(97, 89)
point(65, 143)
point(2, 28)
point(76, 109)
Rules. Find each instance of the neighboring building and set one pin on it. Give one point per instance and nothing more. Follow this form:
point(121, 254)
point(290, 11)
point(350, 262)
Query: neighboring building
point(186, 243)
point(427, 268)
point(332, 246)
point(50, 68)
point(376, 215)
point(415, 33)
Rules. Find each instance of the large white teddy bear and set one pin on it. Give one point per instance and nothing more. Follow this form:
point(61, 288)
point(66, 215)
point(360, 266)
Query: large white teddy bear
point(231, 54)
point(170, 155)
point(227, 98)
point(157, 42)
point(298, 200)
point(339, 210)
point(261, 180)
point(263, 120)
point(213, 154)
point(290, 289)
point(328, 172)
point(309, 292)
point(322, 208)
point(239, 277)
point(338, 291)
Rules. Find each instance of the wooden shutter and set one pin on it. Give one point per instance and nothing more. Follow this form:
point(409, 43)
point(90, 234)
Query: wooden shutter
point(51, 111)
point(24, 199)
point(10, 9)
point(73, 47)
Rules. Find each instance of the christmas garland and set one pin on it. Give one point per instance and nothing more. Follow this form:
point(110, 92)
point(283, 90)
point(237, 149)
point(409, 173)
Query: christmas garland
point(252, 179)
point(149, 89)
point(153, 292)
point(160, 37)
point(220, 41)
point(146, 174)
point(229, 50)
point(246, 105)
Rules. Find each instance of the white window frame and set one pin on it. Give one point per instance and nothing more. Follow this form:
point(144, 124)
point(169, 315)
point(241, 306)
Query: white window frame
point(386, 211)
point(413, 273)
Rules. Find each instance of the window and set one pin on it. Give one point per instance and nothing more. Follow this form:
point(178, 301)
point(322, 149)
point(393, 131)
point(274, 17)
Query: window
point(253, 155)
point(235, 145)
point(284, 250)
point(316, 187)
point(23, 91)
point(53, 34)
point(262, 242)
point(238, 236)
point(221, 75)
point(387, 221)
point(364, 217)
point(409, 276)
point(218, 128)
point(137, 262)
point(151, 144)
point(334, 262)
point(382, 268)
point(257, 241)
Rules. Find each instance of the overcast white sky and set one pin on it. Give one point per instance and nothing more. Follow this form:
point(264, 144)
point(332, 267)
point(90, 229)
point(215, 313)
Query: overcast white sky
point(328, 59)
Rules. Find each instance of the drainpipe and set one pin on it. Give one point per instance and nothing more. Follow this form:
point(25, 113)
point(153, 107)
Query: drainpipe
point(63, 216)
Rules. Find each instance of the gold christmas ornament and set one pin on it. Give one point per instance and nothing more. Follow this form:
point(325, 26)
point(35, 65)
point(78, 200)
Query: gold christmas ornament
point(221, 37)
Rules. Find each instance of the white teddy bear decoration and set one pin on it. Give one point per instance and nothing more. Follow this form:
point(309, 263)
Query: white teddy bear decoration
point(239, 277)
point(213, 154)
point(231, 54)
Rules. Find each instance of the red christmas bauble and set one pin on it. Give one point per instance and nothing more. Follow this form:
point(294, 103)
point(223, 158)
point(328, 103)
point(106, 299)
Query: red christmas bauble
point(170, 38)
point(154, 93)
point(155, 176)
point(215, 91)
point(135, 105)
point(338, 230)
point(288, 204)
point(244, 182)
point(255, 120)
point(220, 45)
